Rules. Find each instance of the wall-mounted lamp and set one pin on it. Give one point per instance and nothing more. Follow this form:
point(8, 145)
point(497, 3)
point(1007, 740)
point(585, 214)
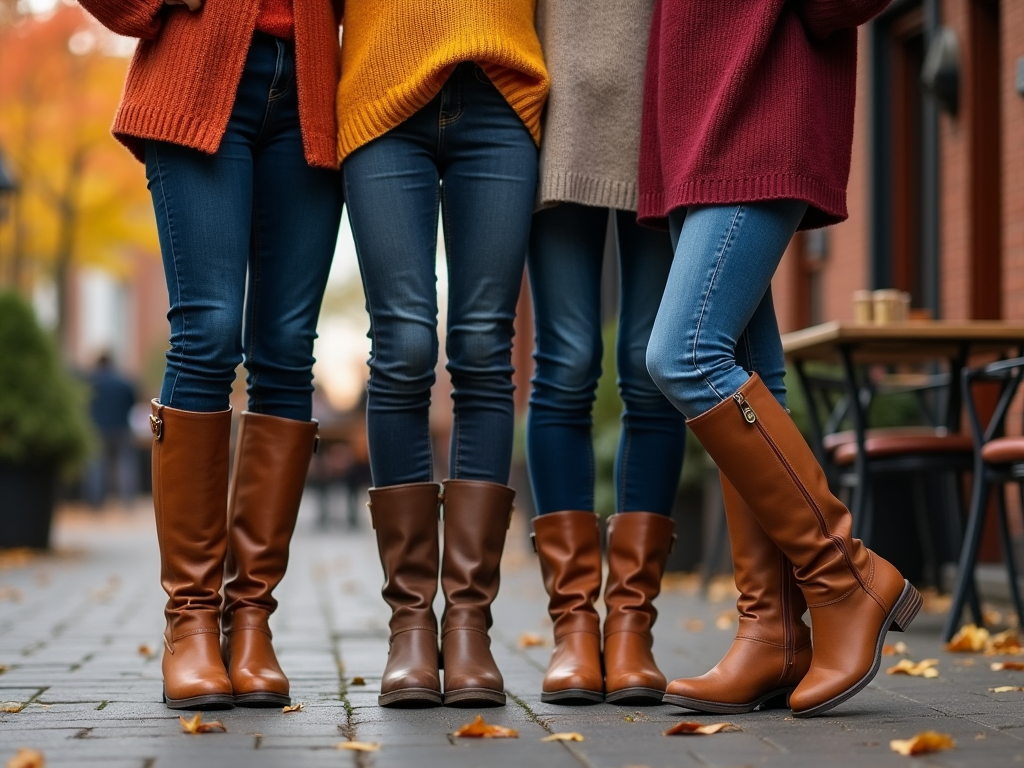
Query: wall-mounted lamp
point(940, 74)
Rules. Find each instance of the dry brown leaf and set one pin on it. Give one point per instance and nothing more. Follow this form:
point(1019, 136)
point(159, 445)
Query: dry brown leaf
point(934, 602)
point(900, 649)
point(293, 708)
point(358, 681)
point(27, 758)
point(722, 589)
point(925, 668)
point(479, 729)
point(11, 594)
point(196, 725)
point(964, 662)
point(146, 651)
point(531, 640)
point(970, 639)
point(359, 746)
point(1007, 666)
point(11, 706)
point(726, 619)
point(991, 616)
point(922, 743)
point(1005, 643)
point(695, 625)
point(697, 729)
point(16, 558)
point(687, 583)
point(1007, 688)
point(568, 736)
point(4, 668)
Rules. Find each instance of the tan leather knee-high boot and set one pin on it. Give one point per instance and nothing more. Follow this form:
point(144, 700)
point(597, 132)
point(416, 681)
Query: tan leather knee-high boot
point(405, 518)
point(272, 458)
point(190, 494)
point(772, 648)
point(854, 595)
point(476, 519)
point(569, 548)
point(638, 548)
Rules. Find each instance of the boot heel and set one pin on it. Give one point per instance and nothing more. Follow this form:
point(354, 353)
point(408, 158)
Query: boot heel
point(779, 701)
point(906, 609)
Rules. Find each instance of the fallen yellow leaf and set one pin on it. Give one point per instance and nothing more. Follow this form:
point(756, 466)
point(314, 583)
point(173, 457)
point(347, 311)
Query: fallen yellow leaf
point(925, 668)
point(922, 743)
point(725, 620)
point(479, 729)
point(359, 746)
point(293, 708)
point(27, 758)
point(900, 649)
point(11, 706)
point(196, 725)
point(531, 640)
point(695, 625)
point(358, 681)
point(1007, 666)
point(970, 639)
point(146, 651)
point(696, 729)
point(1007, 688)
point(1005, 643)
point(569, 736)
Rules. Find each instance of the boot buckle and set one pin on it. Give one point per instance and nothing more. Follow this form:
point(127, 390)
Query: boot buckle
point(533, 541)
point(156, 425)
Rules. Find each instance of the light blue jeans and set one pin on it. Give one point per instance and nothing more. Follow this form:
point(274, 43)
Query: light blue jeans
point(716, 324)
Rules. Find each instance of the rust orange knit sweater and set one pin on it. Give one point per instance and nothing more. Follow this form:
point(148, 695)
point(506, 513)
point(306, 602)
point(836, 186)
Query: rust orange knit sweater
point(397, 54)
point(182, 81)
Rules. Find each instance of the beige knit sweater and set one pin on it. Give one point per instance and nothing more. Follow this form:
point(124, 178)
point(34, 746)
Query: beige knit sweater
point(595, 53)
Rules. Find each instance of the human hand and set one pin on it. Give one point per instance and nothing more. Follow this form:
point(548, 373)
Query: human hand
point(193, 5)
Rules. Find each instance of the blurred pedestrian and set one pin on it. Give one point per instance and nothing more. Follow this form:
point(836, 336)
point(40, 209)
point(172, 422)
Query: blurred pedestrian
point(112, 398)
point(231, 107)
point(747, 130)
point(588, 168)
point(445, 115)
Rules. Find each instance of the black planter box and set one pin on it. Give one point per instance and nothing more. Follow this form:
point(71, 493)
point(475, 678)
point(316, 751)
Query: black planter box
point(28, 493)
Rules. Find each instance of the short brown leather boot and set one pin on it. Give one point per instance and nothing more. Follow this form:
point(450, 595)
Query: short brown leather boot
point(476, 519)
point(772, 649)
point(569, 547)
point(190, 494)
point(854, 595)
point(638, 548)
point(272, 457)
point(405, 518)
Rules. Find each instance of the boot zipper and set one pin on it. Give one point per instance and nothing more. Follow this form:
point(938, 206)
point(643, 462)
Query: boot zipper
point(751, 418)
point(787, 625)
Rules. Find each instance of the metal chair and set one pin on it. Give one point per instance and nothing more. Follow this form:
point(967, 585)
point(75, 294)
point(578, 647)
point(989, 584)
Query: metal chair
point(997, 460)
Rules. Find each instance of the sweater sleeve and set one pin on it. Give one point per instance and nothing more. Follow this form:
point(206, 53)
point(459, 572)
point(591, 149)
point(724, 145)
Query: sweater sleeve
point(823, 17)
point(131, 18)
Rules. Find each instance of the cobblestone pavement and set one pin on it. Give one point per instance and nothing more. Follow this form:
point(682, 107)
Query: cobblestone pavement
point(74, 627)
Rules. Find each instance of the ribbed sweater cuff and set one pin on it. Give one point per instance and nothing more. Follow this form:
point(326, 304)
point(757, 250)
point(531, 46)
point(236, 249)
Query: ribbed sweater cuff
point(567, 187)
point(831, 200)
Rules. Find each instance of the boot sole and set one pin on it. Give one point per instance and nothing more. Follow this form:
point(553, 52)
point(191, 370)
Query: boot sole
point(638, 695)
point(474, 697)
point(262, 700)
point(899, 618)
point(775, 700)
point(572, 696)
point(411, 698)
point(206, 702)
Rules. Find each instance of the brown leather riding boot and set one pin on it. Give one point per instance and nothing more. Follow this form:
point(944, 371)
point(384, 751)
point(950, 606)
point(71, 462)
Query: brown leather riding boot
point(772, 648)
point(272, 458)
point(190, 493)
point(476, 519)
point(405, 520)
point(854, 595)
point(638, 547)
point(569, 546)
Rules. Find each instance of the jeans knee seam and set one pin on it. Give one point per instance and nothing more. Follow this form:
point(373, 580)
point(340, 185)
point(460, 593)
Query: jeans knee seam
point(174, 261)
point(722, 251)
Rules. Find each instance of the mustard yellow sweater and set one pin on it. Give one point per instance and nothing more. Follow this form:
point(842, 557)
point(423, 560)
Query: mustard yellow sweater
point(397, 54)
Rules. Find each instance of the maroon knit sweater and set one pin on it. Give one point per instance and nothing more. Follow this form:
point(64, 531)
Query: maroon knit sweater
point(748, 101)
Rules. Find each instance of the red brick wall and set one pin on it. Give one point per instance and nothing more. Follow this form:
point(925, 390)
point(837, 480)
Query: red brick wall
point(1012, 43)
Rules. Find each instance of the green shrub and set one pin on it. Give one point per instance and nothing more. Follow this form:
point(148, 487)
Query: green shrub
point(43, 408)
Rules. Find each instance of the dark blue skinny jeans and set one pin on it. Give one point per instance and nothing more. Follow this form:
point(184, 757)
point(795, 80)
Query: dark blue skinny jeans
point(468, 153)
point(247, 236)
point(716, 324)
point(565, 258)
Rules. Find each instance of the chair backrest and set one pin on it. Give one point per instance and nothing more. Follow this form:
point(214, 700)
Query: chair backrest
point(1009, 374)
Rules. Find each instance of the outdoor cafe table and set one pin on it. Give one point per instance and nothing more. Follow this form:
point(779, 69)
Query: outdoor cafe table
point(854, 347)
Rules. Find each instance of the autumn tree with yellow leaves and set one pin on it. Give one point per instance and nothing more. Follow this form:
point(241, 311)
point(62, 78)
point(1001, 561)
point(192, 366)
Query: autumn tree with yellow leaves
point(82, 198)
